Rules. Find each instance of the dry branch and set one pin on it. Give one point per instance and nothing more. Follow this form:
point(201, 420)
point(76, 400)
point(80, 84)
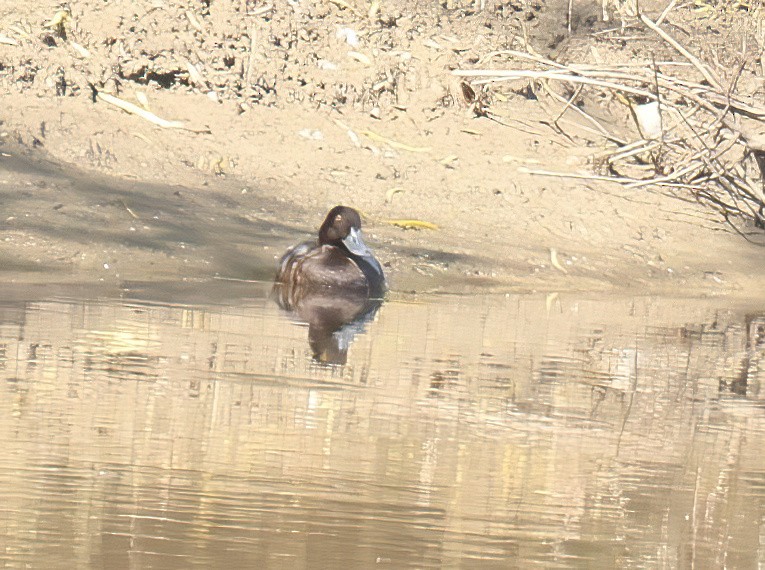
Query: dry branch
point(705, 71)
point(701, 146)
point(147, 115)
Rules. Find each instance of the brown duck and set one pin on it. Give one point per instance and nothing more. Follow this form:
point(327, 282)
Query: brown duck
point(338, 264)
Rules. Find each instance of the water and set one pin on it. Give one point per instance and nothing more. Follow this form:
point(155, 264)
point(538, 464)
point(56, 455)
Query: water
point(474, 432)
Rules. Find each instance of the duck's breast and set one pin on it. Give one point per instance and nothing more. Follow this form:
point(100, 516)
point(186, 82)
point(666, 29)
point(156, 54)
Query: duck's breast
point(306, 270)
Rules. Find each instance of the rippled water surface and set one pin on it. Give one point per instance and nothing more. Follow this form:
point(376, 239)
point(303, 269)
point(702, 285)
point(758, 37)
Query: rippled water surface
point(475, 432)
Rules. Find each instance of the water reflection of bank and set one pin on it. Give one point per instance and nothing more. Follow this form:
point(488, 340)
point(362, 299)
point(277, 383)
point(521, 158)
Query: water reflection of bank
point(563, 431)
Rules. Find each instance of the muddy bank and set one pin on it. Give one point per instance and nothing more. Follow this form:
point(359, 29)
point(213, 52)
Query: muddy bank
point(286, 122)
point(63, 225)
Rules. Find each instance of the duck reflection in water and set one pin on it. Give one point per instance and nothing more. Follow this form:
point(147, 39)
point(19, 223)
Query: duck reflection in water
point(334, 284)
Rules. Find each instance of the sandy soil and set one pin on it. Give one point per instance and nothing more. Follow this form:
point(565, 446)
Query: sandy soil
point(292, 107)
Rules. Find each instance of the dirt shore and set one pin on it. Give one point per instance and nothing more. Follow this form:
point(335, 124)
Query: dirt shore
point(292, 107)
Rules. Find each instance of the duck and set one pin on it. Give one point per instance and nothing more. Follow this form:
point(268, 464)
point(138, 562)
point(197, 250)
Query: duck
point(337, 265)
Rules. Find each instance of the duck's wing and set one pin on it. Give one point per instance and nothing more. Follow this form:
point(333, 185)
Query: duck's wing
point(308, 269)
point(288, 273)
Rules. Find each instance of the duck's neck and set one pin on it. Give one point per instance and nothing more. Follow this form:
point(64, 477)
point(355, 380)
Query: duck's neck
point(373, 272)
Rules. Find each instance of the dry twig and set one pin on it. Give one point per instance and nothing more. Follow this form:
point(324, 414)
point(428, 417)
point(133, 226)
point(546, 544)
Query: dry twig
point(701, 144)
point(144, 114)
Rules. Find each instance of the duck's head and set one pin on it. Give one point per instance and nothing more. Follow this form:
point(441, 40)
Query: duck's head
point(342, 228)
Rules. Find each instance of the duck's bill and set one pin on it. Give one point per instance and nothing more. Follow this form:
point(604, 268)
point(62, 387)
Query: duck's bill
point(355, 244)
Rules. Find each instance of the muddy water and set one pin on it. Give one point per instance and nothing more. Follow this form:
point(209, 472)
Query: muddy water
point(475, 432)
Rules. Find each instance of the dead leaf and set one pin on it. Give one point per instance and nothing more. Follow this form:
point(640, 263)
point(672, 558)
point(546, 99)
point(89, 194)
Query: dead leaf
point(143, 100)
point(195, 75)
point(394, 144)
point(194, 21)
point(360, 57)
point(554, 260)
point(448, 161)
point(431, 43)
point(412, 224)
point(151, 117)
point(392, 192)
point(58, 19)
point(81, 51)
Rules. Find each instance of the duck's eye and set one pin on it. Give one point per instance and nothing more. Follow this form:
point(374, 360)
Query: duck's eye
point(338, 219)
